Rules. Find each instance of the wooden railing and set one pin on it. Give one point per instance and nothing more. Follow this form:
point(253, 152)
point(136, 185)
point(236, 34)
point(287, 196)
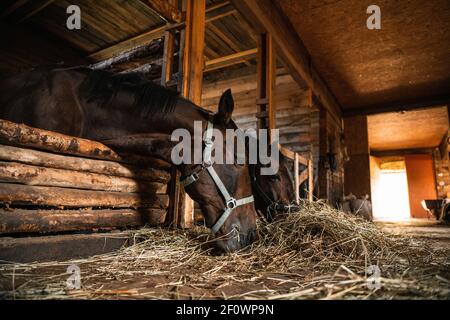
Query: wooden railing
point(306, 174)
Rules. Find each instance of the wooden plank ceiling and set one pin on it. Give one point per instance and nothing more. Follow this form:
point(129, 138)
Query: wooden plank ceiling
point(35, 33)
point(406, 62)
point(414, 129)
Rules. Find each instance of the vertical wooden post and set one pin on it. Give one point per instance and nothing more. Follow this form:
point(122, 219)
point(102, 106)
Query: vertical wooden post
point(357, 169)
point(169, 39)
point(310, 180)
point(296, 178)
point(175, 190)
point(266, 83)
point(194, 43)
point(192, 63)
point(323, 172)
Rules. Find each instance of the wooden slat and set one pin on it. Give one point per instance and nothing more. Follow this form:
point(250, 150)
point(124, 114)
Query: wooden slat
point(296, 179)
point(169, 43)
point(16, 194)
point(264, 16)
point(291, 155)
point(310, 180)
point(217, 5)
point(192, 81)
point(44, 220)
point(193, 50)
point(61, 247)
point(128, 44)
point(229, 60)
point(36, 10)
point(110, 168)
point(165, 9)
point(266, 81)
point(14, 172)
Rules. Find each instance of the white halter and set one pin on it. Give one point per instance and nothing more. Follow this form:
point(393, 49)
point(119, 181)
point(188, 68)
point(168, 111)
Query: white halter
point(230, 202)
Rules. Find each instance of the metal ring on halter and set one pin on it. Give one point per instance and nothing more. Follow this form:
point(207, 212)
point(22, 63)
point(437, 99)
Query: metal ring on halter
point(231, 203)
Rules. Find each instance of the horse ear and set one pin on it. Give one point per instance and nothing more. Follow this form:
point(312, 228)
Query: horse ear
point(226, 107)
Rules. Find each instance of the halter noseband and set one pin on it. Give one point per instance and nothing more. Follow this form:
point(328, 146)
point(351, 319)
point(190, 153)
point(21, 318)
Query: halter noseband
point(230, 202)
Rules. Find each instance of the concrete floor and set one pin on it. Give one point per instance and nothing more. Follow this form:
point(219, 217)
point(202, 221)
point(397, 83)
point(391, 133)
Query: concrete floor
point(428, 229)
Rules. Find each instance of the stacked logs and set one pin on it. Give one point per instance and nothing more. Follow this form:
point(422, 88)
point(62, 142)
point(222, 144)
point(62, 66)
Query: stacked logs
point(50, 182)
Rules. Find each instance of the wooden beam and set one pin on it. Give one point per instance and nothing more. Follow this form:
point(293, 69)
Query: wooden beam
point(61, 247)
point(217, 5)
point(146, 38)
point(226, 39)
point(192, 58)
point(15, 172)
point(296, 179)
point(110, 168)
point(152, 48)
point(165, 9)
point(229, 60)
point(24, 136)
point(22, 195)
point(265, 16)
point(36, 10)
point(357, 169)
point(44, 220)
point(168, 55)
point(399, 106)
point(310, 180)
point(266, 83)
point(291, 155)
point(136, 41)
point(193, 50)
point(403, 152)
point(13, 7)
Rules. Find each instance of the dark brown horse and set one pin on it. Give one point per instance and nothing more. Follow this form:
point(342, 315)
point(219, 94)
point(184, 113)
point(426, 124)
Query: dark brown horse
point(274, 194)
point(109, 107)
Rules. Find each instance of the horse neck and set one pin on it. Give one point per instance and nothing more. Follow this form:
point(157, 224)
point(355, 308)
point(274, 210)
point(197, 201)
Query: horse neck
point(183, 116)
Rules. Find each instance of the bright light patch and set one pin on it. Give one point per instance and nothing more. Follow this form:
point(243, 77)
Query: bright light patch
point(392, 201)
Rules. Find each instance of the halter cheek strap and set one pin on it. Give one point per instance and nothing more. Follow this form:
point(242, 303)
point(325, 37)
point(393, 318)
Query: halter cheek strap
point(230, 202)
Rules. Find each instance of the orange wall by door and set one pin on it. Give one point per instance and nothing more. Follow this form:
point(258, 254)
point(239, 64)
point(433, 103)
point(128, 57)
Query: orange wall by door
point(421, 182)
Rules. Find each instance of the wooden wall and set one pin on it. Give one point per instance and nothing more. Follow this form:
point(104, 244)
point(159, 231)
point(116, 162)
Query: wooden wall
point(331, 160)
point(357, 169)
point(298, 117)
point(421, 182)
point(442, 168)
point(294, 114)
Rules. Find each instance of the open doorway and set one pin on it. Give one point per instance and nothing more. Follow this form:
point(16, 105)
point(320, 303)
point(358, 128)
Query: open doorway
point(390, 194)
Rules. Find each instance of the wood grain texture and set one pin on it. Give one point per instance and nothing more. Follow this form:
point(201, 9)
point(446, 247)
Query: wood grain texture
point(22, 195)
point(110, 168)
point(45, 221)
point(14, 172)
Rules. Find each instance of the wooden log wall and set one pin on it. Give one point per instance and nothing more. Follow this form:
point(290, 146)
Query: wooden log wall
point(51, 182)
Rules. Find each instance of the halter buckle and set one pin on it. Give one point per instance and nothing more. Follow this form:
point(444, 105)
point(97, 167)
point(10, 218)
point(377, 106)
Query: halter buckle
point(231, 203)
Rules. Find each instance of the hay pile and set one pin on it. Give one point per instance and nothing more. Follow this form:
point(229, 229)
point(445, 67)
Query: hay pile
point(317, 252)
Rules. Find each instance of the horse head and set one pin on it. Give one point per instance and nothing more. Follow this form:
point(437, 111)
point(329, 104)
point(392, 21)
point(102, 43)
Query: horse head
point(274, 194)
point(223, 190)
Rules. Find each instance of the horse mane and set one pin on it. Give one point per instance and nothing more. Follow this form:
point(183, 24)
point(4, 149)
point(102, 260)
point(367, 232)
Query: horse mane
point(148, 97)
